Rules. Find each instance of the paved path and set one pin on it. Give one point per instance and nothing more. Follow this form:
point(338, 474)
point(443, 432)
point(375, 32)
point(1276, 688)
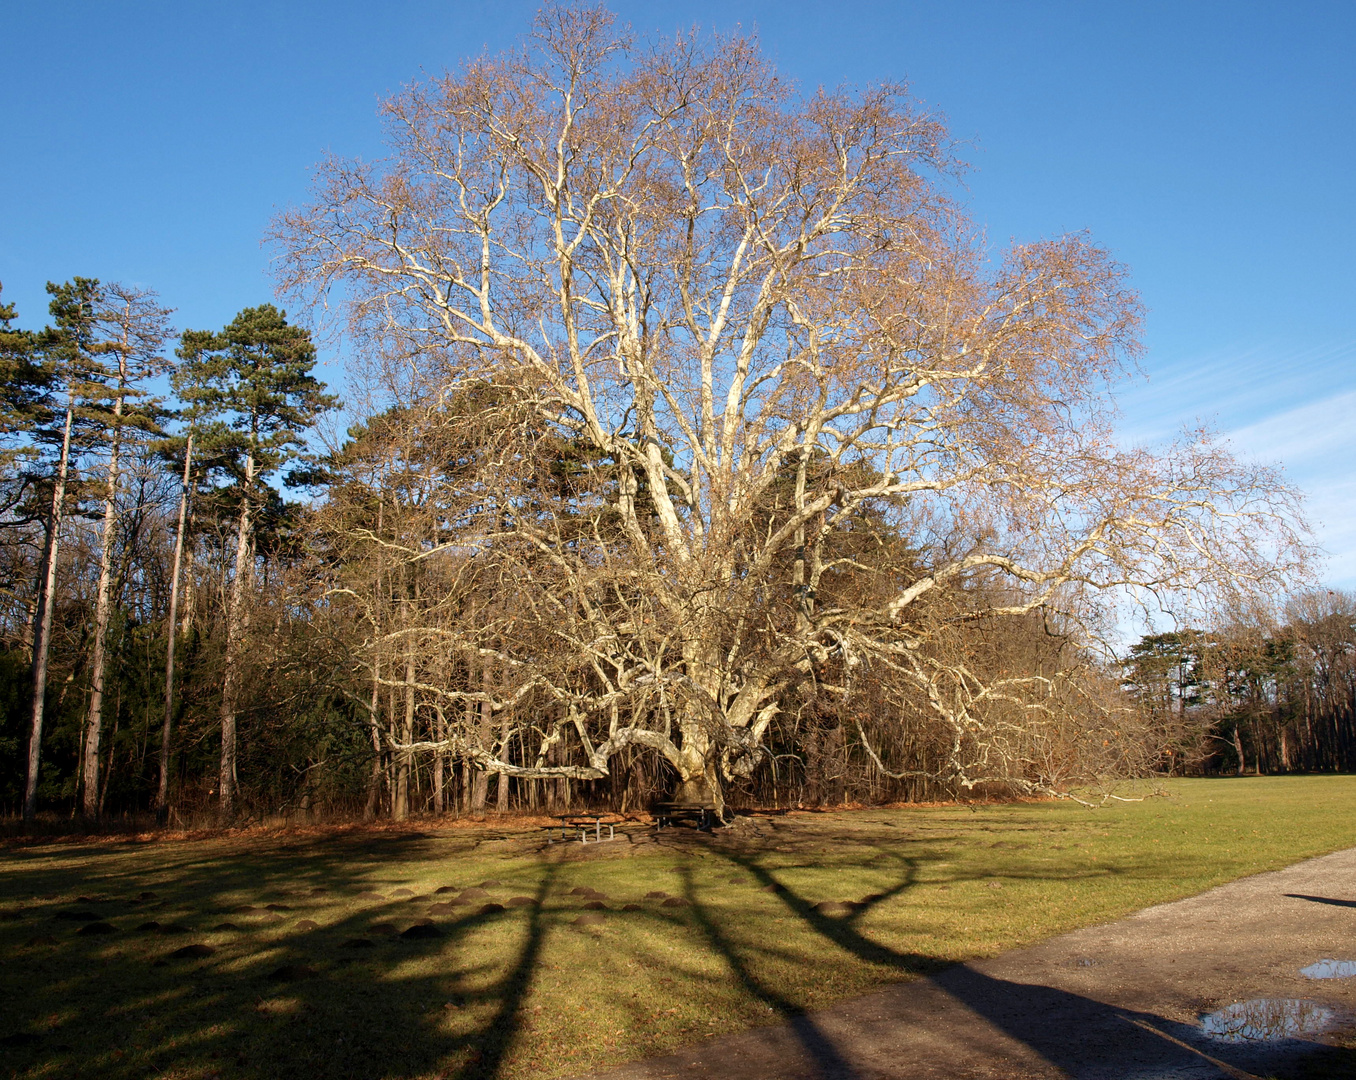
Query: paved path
point(1112, 1002)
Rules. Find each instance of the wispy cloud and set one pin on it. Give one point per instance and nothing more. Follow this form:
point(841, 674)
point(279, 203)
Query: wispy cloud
point(1232, 388)
point(1320, 435)
point(1296, 410)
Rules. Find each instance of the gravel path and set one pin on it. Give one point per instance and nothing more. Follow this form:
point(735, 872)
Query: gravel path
point(1121, 1001)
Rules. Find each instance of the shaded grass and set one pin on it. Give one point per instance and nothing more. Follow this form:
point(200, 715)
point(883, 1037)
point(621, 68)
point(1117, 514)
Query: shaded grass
point(524, 991)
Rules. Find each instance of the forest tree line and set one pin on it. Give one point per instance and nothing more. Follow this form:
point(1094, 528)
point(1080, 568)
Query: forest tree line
point(1254, 697)
point(305, 627)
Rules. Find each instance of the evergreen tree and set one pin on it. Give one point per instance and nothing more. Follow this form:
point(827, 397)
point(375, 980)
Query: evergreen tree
point(66, 348)
point(129, 334)
point(253, 379)
point(23, 382)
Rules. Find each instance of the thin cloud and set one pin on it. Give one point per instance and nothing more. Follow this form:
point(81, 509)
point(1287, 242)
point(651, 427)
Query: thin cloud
point(1295, 409)
point(1318, 436)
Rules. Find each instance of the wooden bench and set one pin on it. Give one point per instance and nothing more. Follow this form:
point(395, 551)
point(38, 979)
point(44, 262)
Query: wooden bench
point(705, 817)
point(583, 824)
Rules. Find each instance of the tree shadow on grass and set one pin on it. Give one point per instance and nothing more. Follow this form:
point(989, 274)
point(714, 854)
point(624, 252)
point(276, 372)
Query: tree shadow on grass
point(1079, 1036)
point(116, 1006)
point(275, 997)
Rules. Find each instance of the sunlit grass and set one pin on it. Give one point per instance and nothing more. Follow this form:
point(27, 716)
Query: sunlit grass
point(525, 992)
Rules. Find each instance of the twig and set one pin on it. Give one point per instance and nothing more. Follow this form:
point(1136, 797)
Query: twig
point(1224, 1066)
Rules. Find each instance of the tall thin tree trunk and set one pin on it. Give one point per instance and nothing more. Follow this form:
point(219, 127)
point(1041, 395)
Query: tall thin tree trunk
point(374, 779)
point(480, 788)
point(171, 633)
point(1238, 747)
point(480, 781)
point(373, 715)
point(95, 717)
point(190, 591)
point(402, 797)
point(391, 728)
point(502, 800)
point(42, 639)
point(439, 760)
point(230, 683)
point(108, 769)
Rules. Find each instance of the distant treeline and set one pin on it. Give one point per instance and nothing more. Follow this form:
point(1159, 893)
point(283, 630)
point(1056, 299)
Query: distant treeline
point(1255, 699)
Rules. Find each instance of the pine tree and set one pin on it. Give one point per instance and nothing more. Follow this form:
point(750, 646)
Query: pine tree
point(129, 334)
point(66, 351)
point(254, 378)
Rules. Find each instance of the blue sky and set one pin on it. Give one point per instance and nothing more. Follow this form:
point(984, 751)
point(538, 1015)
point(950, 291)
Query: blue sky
point(1210, 146)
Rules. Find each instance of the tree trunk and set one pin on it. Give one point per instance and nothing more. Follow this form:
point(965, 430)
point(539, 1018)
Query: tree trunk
point(95, 716)
point(108, 770)
point(401, 809)
point(480, 789)
point(439, 761)
point(42, 639)
point(234, 633)
point(480, 780)
point(390, 772)
point(171, 631)
point(373, 712)
point(190, 590)
point(502, 796)
point(1238, 747)
point(374, 780)
point(698, 771)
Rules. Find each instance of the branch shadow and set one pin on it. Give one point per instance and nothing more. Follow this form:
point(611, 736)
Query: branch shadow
point(1323, 900)
point(116, 1006)
point(1082, 1037)
point(274, 993)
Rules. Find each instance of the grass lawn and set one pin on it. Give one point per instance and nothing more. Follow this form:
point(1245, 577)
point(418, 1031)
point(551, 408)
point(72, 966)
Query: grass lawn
point(753, 929)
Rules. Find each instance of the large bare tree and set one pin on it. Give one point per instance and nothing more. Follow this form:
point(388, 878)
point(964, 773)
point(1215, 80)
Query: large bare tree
point(814, 427)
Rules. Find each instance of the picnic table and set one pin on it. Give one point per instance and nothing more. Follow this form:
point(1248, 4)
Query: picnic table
point(666, 813)
point(583, 824)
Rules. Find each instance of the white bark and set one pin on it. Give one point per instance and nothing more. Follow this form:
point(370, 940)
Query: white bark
point(235, 627)
point(172, 631)
point(94, 716)
point(42, 643)
point(707, 287)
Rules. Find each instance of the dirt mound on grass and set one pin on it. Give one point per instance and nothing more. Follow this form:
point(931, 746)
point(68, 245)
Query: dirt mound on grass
point(421, 931)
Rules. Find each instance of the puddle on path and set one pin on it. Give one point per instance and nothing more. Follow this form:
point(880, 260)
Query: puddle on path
point(1267, 1020)
point(1330, 969)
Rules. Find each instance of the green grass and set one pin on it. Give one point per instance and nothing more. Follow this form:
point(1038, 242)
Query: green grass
point(524, 992)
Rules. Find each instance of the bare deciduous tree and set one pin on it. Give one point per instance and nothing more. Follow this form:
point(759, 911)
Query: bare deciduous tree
point(755, 328)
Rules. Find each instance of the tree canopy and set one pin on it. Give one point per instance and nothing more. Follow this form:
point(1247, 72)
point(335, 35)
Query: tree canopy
point(762, 309)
